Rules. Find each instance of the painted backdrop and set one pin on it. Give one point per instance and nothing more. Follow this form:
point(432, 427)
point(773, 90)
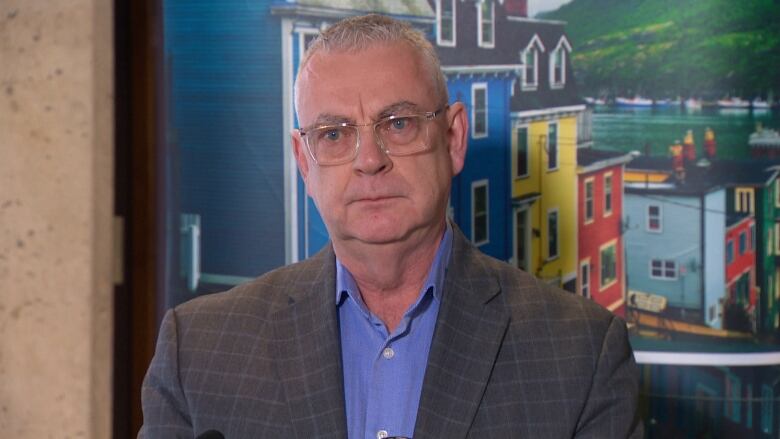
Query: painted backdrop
point(623, 150)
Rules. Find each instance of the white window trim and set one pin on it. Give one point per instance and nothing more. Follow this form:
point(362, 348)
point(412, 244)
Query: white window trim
point(592, 181)
point(439, 40)
point(777, 238)
point(608, 176)
point(480, 42)
point(474, 186)
point(586, 263)
point(302, 34)
point(557, 146)
point(557, 234)
point(563, 45)
point(536, 47)
point(660, 218)
point(612, 243)
point(527, 152)
point(474, 87)
point(777, 192)
point(663, 269)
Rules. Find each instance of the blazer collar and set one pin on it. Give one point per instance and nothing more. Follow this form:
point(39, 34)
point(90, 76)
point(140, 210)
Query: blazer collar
point(469, 331)
point(308, 350)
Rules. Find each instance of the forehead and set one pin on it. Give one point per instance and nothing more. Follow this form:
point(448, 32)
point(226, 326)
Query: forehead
point(360, 84)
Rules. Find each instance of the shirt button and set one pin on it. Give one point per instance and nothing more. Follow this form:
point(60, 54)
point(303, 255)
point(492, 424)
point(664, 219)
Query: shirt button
point(381, 434)
point(388, 353)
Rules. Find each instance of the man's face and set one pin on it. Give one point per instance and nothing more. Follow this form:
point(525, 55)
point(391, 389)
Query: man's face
point(378, 198)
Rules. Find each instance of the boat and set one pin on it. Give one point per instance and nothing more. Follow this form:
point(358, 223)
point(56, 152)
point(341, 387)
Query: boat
point(733, 103)
point(765, 138)
point(634, 102)
point(693, 104)
point(760, 104)
point(594, 101)
point(667, 103)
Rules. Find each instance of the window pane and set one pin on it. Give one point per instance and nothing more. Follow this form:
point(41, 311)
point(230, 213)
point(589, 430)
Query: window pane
point(552, 227)
point(522, 151)
point(552, 146)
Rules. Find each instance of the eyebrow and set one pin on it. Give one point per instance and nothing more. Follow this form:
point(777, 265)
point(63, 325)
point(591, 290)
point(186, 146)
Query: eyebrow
point(325, 119)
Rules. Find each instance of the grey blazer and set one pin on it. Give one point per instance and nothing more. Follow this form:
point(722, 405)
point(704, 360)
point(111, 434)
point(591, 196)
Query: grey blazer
point(511, 358)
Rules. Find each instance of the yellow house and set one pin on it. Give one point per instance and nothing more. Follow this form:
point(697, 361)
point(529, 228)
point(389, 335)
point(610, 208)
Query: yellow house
point(544, 193)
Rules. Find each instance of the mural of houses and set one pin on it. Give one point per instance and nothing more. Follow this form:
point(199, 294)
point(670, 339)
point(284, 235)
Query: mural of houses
point(599, 227)
point(690, 239)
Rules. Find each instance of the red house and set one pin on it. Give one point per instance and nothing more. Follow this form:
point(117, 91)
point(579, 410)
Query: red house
point(740, 262)
point(601, 270)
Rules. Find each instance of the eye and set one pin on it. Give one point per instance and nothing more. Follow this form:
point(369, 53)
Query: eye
point(399, 123)
point(330, 134)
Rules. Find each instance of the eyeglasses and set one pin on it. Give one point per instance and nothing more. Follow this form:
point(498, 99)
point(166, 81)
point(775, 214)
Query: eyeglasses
point(396, 135)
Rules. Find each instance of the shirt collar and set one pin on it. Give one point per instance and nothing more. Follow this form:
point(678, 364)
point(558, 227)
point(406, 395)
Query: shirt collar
point(347, 287)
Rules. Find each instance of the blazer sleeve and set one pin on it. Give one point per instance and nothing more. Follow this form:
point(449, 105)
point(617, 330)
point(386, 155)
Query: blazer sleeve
point(611, 409)
point(164, 404)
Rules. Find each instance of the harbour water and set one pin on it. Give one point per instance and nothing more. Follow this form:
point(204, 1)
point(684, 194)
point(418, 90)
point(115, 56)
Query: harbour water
point(654, 129)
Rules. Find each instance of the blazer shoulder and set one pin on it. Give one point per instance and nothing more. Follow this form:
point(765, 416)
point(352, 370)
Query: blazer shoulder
point(524, 293)
point(261, 297)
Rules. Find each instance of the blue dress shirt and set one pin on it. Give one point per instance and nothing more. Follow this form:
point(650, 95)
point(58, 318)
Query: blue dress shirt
point(383, 372)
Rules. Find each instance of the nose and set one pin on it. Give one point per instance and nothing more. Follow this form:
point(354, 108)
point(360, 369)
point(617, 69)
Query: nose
point(371, 158)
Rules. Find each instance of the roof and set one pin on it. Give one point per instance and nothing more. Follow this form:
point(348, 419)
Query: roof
point(701, 179)
point(590, 159)
point(513, 35)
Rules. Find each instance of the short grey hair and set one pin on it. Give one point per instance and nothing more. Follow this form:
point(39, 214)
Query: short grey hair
point(358, 33)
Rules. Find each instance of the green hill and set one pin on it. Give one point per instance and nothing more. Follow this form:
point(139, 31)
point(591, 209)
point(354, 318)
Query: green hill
point(667, 48)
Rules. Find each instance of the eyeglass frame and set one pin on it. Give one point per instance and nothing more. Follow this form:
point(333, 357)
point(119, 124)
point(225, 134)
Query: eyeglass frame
point(428, 115)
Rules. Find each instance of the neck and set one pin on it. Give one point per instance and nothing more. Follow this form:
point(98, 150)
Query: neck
point(390, 276)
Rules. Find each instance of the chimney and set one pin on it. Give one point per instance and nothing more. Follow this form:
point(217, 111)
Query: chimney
point(518, 8)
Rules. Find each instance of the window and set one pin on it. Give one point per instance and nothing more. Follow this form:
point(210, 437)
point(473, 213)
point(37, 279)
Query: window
point(479, 212)
point(608, 262)
point(777, 238)
point(558, 68)
point(445, 19)
point(608, 194)
point(529, 69)
point(777, 192)
point(486, 24)
point(585, 278)
point(742, 243)
point(305, 38)
point(521, 159)
point(767, 404)
point(753, 237)
point(732, 398)
point(589, 200)
point(529, 58)
point(663, 269)
point(479, 112)
point(552, 234)
point(744, 200)
point(769, 243)
point(552, 146)
point(729, 251)
point(654, 218)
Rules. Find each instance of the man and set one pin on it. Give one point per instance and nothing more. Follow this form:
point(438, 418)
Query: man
point(399, 328)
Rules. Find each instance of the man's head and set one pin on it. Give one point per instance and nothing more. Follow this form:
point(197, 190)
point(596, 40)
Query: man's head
point(379, 189)
point(359, 33)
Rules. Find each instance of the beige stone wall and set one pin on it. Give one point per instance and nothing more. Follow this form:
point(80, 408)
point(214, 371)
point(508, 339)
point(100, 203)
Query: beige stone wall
point(56, 192)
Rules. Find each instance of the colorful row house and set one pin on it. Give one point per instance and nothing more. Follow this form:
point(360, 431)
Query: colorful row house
point(601, 271)
point(693, 239)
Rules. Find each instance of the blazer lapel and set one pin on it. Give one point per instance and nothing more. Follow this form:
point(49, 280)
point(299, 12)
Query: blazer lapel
point(309, 351)
point(470, 328)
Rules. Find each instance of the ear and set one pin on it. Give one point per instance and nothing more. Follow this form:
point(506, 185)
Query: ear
point(301, 156)
point(457, 135)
